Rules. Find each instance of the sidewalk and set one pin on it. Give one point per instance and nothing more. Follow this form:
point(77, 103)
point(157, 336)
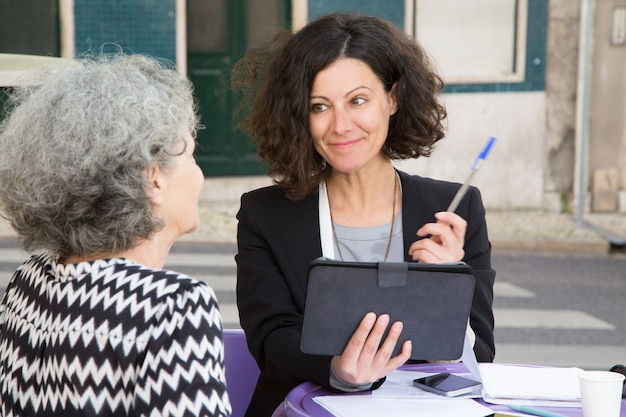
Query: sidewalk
point(528, 230)
point(513, 229)
point(516, 229)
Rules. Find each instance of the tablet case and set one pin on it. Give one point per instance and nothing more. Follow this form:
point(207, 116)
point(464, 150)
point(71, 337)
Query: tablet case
point(432, 300)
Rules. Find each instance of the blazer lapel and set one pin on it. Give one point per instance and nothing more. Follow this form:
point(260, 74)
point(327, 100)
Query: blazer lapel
point(415, 210)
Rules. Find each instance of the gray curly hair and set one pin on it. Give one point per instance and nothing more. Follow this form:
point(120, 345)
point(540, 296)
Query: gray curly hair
point(75, 150)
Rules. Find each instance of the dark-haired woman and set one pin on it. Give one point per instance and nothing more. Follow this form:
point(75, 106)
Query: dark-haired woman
point(330, 107)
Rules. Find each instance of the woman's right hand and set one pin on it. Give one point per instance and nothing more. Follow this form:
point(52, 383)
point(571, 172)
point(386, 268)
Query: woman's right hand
point(363, 361)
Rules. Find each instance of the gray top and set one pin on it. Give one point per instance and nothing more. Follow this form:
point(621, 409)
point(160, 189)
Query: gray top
point(369, 244)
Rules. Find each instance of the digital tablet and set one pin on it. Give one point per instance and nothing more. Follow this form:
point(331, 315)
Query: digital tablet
point(432, 300)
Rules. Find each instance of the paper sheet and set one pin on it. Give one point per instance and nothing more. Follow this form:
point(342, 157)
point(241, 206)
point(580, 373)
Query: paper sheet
point(502, 384)
point(530, 385)
point(368, 406)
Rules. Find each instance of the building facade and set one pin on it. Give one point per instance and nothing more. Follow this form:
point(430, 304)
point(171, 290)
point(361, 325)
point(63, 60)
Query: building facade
point(546, 77)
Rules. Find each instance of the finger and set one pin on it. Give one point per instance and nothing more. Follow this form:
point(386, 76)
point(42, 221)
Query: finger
point(372, 344)
point(400, 359)
point(359, 337)
point(355, 363)
point(429, 251)
point(430, 230)
point(445, 235)
point(456, 223)
point(420, 251)
point(439, 235)
point(425, 256)
point(388, 346)
point(450, 241)
point(384, 363)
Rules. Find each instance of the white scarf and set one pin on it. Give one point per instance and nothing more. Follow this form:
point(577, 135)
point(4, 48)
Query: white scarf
point(326, 227)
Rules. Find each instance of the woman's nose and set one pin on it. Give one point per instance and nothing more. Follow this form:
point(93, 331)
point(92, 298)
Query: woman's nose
point(342, 122)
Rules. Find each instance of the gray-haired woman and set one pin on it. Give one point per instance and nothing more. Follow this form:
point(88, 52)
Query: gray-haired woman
point(98, 179)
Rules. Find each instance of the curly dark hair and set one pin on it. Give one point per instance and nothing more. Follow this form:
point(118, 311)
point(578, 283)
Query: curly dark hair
point(276, 81)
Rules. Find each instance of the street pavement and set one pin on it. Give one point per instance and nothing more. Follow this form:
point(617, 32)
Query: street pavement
point(551, 308)
point(560, 308)
point(560, 292)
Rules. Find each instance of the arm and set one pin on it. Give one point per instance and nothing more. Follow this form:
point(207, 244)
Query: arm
point(478, 256)
point(276, 241)
point(463, 237)
point(182, 373)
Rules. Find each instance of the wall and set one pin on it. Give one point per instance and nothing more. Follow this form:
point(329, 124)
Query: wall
point(534, 163)
point(512, 175)
point(607, 122)
point(561, 95)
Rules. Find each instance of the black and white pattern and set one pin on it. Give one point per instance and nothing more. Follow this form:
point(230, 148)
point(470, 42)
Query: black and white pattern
point(109, 337)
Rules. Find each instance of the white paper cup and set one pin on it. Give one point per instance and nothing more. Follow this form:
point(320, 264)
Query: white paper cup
point(601, 393)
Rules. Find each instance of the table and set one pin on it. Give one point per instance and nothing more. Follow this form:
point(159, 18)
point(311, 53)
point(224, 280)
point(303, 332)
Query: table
point(299, 402)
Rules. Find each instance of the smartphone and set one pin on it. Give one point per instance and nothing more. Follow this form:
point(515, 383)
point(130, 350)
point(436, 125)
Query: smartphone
point(447, 384)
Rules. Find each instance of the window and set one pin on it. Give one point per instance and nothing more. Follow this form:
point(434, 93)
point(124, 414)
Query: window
point(29, 27)
point(472, 41)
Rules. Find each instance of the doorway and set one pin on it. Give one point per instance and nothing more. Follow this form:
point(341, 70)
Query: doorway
point(218, 34)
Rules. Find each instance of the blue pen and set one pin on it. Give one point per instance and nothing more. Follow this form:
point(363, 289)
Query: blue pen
point(477, 162)
point(534, 411)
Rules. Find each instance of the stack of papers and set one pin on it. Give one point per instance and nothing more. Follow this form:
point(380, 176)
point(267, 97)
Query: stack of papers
point(530, 385)
point(502, 384)
point(398, 397)
point(369, 406)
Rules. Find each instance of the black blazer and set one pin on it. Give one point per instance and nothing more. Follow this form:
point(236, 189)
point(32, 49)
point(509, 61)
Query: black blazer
point(278, 237)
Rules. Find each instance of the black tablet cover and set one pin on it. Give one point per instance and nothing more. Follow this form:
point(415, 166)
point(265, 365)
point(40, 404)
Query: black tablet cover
point(432, 300)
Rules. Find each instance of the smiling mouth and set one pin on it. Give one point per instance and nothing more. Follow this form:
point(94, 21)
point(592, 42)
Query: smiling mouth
point(346, 144)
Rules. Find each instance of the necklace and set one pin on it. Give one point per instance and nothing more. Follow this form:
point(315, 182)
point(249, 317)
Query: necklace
point(393, 213)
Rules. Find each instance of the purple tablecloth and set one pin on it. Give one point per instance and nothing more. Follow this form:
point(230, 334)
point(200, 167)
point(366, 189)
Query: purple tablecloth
point(299, 402)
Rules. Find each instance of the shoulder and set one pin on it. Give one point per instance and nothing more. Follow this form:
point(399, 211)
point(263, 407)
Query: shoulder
point(274, 198)
point(160, 287)
point(425, 184)
point(175, 300)
point(436, 195)
point(269, 193)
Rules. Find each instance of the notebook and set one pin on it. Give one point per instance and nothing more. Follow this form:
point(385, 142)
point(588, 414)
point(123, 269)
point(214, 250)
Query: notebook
point(432, 300)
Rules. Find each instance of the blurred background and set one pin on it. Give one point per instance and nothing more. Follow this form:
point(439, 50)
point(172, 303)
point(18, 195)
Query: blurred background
point(546, 77)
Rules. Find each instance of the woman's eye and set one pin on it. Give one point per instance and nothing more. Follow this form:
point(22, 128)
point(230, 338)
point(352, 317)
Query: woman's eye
point(357, 101)
point(318, 107)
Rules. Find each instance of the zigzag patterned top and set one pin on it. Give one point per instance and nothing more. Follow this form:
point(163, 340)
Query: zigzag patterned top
point(109, 337)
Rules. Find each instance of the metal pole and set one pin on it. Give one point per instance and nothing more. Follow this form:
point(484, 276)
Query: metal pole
point(582, 103)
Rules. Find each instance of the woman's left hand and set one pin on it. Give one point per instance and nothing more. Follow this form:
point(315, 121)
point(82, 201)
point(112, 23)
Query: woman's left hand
point(445, 240)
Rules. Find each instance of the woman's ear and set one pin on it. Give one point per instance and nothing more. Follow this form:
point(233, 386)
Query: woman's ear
point(154, 188)
point(392, 97)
